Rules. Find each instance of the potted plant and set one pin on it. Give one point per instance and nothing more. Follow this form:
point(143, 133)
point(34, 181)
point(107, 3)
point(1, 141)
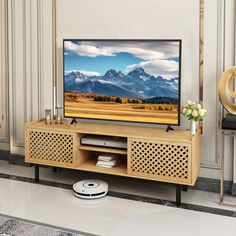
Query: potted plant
point(194, 112)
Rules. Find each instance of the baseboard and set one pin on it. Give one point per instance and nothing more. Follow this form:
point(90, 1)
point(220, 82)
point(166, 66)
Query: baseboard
point(13, 158)
point(4, 155)
point(233, 189)
point(213, 185)
point(203, 184)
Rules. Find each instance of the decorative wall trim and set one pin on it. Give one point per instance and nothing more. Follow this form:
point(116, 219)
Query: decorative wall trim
point(16, 145)
point(40, 51)
point(201, 49)
point(220, 68)
point(4, 124)
point(215, 164)
point(54, 54)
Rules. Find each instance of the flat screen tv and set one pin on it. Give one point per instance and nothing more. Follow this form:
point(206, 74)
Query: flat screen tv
point(123, 80)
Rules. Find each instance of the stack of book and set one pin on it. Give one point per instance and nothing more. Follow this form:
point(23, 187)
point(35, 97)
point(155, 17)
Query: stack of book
point(108, 160)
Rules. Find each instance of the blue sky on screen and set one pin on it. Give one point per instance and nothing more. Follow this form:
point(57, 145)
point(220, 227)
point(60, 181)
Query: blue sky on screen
point(99, 64)
point(158, 58)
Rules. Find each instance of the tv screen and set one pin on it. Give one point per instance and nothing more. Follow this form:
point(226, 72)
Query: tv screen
point(123, 80)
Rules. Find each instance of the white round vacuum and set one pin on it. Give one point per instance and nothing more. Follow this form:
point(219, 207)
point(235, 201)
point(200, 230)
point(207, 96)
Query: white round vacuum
point(90, 189)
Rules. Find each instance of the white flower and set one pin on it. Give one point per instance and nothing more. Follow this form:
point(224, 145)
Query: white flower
point(194, 113)
point(193, 110)
point(189, 111)
point(202, 112)
point(199, 106)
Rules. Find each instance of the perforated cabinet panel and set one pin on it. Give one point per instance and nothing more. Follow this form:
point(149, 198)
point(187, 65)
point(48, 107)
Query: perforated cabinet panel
point(49, 147)
point(168, 161)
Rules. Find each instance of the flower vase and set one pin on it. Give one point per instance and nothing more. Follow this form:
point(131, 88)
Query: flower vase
point(193, 127)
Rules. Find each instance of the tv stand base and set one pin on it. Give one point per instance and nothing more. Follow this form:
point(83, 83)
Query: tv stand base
point(74, 121)
point(178, 195)
point(36, 173)
point(169, 128)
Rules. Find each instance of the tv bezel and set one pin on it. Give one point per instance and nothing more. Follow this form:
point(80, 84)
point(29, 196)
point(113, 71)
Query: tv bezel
point(127, 121)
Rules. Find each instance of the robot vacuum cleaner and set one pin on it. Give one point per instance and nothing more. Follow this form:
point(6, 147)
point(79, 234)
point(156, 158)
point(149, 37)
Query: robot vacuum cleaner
point(90, 189)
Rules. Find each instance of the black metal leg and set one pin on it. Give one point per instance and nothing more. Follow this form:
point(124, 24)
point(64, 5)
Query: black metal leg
point(185, 188)
point(178, 194)
point(54, 169)
point(36, 173)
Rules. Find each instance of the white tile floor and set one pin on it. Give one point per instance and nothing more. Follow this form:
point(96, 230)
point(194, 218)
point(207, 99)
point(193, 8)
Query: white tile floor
point(124, 185)
point(109, 215)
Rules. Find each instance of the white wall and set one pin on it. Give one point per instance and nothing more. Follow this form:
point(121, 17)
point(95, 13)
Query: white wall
point(31, 67)
point(134, 19)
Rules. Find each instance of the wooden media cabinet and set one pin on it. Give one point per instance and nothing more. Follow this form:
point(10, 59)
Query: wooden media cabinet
point(151, 153)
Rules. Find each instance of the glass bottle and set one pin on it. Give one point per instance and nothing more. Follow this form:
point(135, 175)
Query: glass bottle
point(48, 116)
point(59, 115)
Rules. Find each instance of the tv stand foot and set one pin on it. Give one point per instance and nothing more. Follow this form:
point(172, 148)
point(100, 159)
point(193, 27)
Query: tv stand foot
point(178, 195)
point(36, 173)
point(185, 188)
point(169, 128)
point(74, 121)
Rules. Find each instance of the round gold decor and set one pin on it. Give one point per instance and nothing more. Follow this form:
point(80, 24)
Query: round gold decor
point(226, 90)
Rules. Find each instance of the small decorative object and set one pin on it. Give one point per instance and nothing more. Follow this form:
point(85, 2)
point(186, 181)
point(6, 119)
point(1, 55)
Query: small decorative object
point(48, 116)
point(59, 115)
point(194, 112)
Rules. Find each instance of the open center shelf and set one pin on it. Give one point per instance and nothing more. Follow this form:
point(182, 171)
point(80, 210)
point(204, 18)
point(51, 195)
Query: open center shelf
point(103, 149)
point(90, 165)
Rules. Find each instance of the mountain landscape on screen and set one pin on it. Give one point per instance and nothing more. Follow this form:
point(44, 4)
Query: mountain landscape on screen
point(122, 80)
point(136, 84)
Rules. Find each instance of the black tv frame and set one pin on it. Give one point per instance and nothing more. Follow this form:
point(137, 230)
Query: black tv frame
point(138, 122)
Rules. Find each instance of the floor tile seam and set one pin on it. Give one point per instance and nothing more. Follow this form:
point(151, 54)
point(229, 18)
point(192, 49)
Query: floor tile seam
point(119, 219)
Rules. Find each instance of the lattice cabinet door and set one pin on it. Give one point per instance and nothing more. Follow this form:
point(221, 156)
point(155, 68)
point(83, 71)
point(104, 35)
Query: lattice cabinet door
point(160, 160)
point(50, 147)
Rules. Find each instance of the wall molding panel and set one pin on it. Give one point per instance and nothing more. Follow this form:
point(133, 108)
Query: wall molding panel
point(213, 38)
point(30, 91)
point(4, 134)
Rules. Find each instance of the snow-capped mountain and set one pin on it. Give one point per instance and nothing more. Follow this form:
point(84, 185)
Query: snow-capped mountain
point(74, 77)
point(136, 84)
point(104, 87)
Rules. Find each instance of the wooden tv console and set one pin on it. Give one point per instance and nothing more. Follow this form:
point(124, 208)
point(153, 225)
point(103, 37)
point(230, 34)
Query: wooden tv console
point(151, 154)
